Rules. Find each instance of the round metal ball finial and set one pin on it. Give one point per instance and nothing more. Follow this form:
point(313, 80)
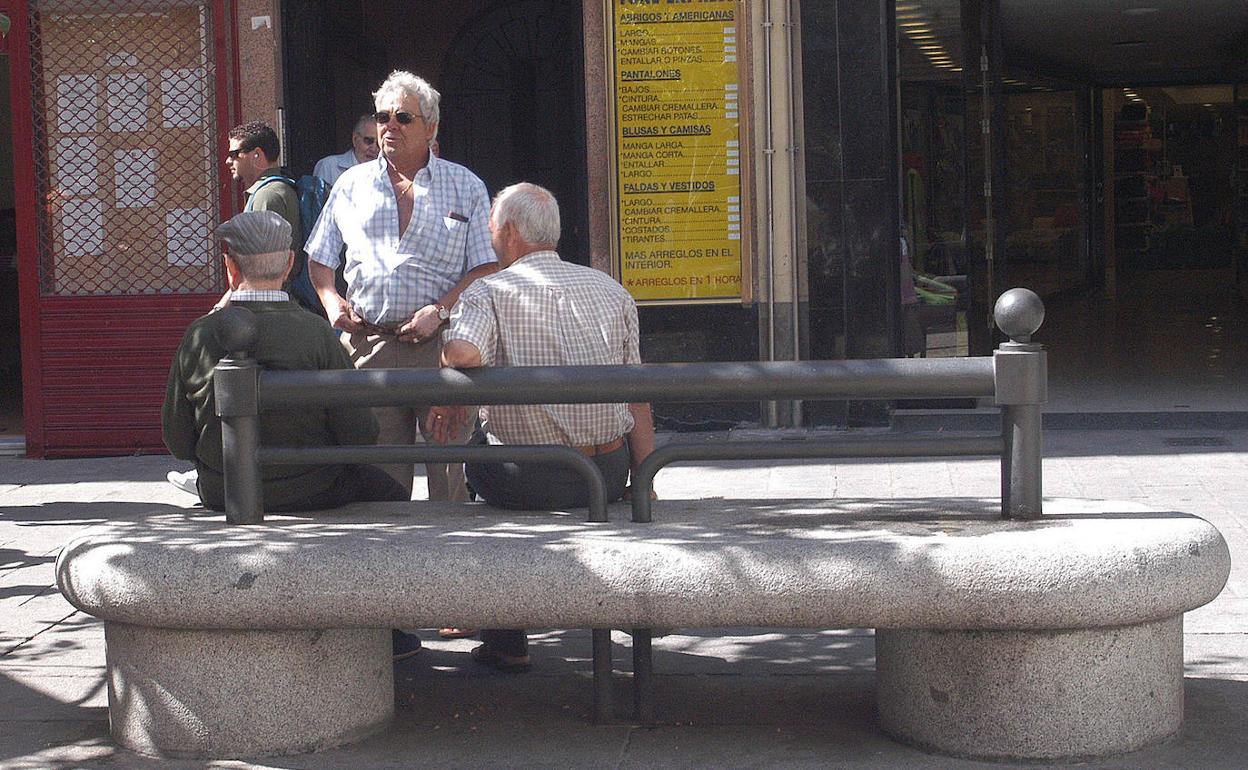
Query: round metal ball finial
point(236, 329)
point(1019, 313)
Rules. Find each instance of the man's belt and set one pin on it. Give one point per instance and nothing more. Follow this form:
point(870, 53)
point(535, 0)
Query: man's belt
point(391, 329)
point(594, 450)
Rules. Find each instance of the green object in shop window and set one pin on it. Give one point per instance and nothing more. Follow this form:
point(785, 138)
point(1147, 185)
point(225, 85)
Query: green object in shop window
point(4, 25)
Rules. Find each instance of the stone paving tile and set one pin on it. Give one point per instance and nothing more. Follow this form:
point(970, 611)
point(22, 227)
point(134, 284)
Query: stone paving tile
point(1215, 656)
point(31, 616)
point(1225, 615)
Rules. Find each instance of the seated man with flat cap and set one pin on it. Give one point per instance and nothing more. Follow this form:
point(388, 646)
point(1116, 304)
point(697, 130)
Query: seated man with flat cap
point(256, 246)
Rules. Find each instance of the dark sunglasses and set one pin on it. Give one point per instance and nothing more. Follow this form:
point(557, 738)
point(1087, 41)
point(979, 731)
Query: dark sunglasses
point(368, 140)
point(233, 154)
point(383, 116)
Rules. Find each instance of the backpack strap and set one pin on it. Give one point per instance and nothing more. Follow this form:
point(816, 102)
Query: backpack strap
point(267, 181)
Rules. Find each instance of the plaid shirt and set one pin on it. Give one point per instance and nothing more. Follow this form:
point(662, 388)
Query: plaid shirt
point(391, 276)
point(542, 311)
point(259, 295)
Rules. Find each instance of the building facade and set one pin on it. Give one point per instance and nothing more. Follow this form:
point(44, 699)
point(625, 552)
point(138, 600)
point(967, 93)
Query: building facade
point(772, 179)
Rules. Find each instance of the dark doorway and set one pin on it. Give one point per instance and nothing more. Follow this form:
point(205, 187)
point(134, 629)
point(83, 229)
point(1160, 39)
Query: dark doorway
point(11, 425)
point(511, 76)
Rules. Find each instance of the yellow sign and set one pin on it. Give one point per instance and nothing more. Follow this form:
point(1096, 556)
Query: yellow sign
point(678, 149)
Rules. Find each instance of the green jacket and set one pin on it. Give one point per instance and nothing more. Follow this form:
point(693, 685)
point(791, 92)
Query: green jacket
point(289, 338)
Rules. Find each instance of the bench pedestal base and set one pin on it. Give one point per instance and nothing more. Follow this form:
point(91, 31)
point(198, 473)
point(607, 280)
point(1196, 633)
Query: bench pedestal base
point(1032, 695)
point(230, 694)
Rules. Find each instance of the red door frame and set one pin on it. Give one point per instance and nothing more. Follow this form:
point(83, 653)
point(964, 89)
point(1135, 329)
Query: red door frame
point(32, 311)
point(26, 208)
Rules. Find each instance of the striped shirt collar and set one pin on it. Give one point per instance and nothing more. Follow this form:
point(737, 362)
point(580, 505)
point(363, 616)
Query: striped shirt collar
point(259, 295)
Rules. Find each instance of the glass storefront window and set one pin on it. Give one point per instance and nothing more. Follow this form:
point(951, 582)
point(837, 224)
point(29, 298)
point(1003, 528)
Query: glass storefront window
point(1045, 162)
point(933, 146)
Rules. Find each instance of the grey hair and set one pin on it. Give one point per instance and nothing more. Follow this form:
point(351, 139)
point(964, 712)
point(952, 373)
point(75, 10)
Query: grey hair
point(403, 83)
point(262, 267)
point(362, 123)
point(532, 209)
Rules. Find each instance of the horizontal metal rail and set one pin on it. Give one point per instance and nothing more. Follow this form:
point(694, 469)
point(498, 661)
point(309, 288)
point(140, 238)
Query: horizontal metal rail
point(876, 379)
point(552, 454)
point(643, 479)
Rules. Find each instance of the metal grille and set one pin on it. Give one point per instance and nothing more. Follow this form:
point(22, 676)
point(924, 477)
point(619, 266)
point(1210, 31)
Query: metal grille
point(124, 112)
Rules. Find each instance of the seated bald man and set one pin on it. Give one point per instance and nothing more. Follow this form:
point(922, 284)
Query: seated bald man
point(541, 311)
point(256, 247)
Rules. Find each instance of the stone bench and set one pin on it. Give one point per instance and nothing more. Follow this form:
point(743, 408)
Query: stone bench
point(1058, 637)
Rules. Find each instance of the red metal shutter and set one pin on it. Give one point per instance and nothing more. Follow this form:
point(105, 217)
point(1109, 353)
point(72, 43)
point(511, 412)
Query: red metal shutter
point(128, 103)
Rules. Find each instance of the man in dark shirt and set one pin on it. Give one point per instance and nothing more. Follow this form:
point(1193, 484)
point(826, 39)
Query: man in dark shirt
point(258, 257)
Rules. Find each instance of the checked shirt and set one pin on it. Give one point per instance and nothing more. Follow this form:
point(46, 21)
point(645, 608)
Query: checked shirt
point(390, 275)
point(542, 311)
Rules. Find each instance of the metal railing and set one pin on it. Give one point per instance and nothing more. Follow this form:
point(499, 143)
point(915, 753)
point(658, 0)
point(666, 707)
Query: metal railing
point(1015, 376)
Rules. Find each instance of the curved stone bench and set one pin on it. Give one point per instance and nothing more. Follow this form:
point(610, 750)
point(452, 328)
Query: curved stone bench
point(1060, 637)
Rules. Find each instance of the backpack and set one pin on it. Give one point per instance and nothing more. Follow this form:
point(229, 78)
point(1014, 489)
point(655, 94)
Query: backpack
point(312, 192)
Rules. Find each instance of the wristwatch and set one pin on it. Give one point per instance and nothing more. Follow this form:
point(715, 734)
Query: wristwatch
point(444, 314)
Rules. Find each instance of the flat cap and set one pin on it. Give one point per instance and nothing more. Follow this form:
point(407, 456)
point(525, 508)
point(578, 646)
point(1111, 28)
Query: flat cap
point(255, 232)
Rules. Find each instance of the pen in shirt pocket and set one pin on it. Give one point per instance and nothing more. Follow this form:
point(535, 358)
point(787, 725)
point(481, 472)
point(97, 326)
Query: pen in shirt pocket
point(458, 217)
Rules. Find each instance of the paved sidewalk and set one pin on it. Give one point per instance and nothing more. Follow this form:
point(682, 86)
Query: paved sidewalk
point(726, 698)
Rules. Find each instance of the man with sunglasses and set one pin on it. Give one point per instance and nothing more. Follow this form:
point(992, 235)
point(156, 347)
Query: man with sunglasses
point(363, 149)
point(252, 159)
point(416, 232)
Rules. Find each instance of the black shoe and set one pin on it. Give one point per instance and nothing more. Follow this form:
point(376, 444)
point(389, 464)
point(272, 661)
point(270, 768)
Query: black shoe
point(405, 645)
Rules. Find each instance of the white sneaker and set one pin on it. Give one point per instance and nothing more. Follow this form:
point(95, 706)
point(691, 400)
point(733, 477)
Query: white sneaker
point(184, 480)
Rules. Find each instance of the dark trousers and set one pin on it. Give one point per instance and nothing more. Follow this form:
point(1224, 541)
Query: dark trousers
point(355, 484)
point(542, 486)
point(527, 486)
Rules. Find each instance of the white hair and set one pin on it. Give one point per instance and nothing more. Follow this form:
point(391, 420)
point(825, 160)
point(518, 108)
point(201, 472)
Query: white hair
point(402, 83)
point(533, 211)
point(262, 267)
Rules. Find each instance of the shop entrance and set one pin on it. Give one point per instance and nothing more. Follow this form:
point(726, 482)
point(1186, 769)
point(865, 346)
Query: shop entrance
point(12, 431)
point(511, 76)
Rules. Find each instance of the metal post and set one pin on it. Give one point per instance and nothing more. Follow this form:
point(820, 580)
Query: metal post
point(1021, 371)
point(643, 677)
point(236, 387)
point(603, 710)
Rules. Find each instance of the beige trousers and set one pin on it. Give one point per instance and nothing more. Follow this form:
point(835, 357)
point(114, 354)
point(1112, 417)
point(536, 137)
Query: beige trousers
point(405, 424)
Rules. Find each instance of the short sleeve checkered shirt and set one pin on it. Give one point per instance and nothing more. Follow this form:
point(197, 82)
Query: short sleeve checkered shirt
point(391, 275)
point(542, 311)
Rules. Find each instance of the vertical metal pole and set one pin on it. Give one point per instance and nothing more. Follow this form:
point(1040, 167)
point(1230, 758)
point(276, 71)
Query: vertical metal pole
point(1022, 494)
point(1021, 384)
point(236, 381)
point(236, 388)
point(643, 679)
point(603, 710)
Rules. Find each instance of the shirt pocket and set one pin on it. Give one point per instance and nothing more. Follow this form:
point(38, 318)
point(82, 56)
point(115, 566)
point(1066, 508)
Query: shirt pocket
point(445, 245)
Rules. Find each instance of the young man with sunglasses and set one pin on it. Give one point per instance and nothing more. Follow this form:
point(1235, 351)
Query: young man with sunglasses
point(363, 149)
point(252, 159)
point(416, 232)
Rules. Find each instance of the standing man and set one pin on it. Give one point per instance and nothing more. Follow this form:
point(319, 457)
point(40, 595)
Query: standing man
point(253, 160)
point(363, 149)
point(542, 311)
point(416, 233)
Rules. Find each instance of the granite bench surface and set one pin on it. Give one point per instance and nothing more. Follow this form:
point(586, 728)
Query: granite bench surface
point(949, 564)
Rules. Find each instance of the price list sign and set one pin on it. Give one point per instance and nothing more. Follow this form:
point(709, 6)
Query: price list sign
point(678, 149)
